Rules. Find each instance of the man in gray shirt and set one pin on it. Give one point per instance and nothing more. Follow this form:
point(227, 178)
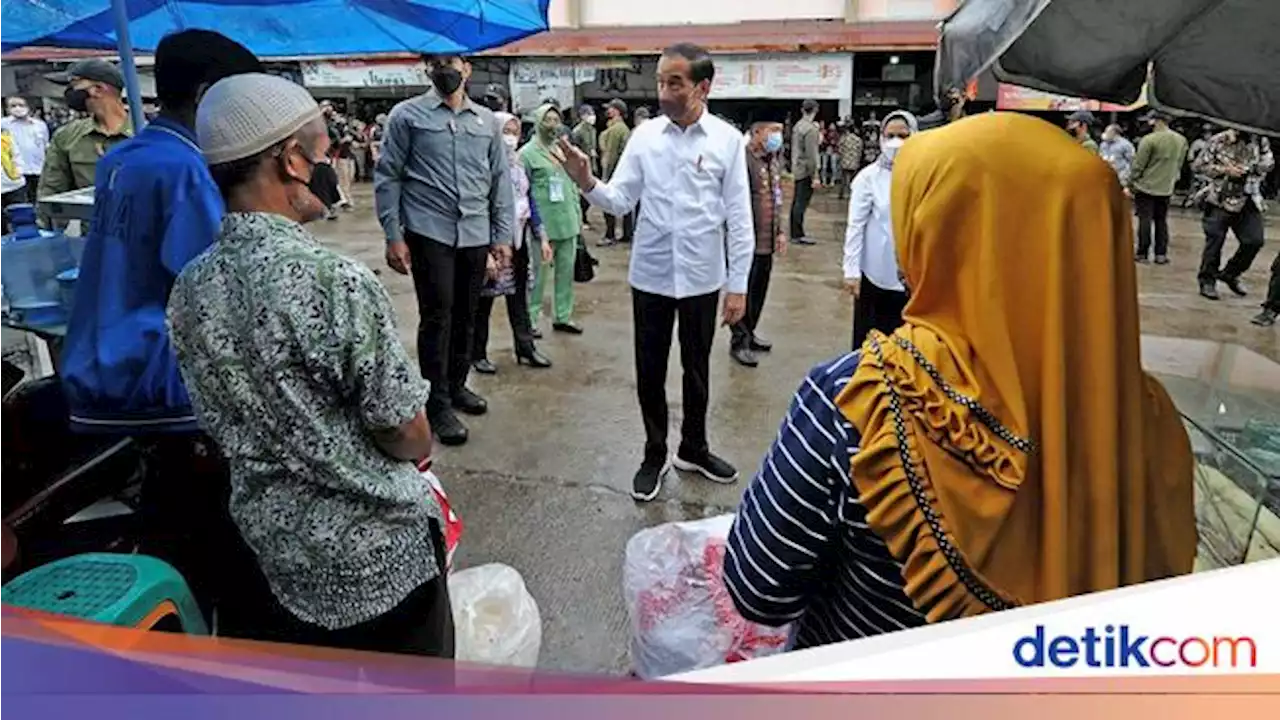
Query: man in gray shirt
point(445, 202)
point(805, 138)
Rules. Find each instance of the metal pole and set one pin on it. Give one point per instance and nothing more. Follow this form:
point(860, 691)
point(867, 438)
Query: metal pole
point(127, 66)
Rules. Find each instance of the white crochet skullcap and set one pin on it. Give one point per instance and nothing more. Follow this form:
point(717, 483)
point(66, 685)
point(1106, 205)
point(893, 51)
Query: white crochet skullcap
point(242, 115)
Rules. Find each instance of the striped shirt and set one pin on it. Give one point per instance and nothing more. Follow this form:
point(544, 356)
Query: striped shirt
point(800, 549)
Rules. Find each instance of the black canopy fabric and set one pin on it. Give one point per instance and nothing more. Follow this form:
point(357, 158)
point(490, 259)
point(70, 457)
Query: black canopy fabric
point(1216, 59)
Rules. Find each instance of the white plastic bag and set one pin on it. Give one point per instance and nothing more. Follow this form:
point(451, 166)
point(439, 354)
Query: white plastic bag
point(496, 620)
point(682, 616)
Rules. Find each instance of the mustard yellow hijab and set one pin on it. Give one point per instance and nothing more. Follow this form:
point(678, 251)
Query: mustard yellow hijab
point(1013, 449)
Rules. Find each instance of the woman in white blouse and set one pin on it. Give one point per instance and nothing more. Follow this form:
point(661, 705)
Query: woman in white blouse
point(870, 262)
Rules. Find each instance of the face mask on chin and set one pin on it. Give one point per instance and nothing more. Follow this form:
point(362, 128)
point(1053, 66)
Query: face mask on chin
point(447, 79)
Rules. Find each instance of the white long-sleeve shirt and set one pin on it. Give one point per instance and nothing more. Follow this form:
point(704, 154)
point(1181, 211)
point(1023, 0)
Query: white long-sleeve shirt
point(691, 183)
point(868, 240)
point(31, 137)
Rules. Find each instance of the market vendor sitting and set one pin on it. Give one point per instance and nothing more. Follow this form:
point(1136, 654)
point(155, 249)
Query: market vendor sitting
point(155, 208)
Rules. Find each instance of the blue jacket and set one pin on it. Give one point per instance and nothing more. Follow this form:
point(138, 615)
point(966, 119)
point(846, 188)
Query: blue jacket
point(155, 209)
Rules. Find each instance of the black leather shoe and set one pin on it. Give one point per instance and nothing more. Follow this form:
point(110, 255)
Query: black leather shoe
point(469, 402)
point(570, 327)
point(1207, 290)
point(447, 428)
point(1236, 286)
point(760, 345)
point(531, 357)
point(743, 356)
point(484, 367)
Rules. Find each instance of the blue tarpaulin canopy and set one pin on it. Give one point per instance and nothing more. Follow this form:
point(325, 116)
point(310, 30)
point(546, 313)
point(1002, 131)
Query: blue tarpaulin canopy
point(280, 27)
point(271, 28)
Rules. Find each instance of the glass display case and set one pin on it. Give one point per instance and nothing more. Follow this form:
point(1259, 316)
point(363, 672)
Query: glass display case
point(1229, 397)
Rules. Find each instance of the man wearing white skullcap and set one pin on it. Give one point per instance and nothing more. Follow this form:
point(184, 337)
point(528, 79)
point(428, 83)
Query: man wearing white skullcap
point(294, 365)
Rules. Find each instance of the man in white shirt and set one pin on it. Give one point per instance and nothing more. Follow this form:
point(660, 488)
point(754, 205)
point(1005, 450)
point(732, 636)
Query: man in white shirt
point(687, 170)
point(30, 138)
point(870, 258)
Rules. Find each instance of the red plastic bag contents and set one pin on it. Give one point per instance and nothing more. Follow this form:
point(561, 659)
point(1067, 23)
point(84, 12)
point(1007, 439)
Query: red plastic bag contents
point(452, 523)
point(682, 616)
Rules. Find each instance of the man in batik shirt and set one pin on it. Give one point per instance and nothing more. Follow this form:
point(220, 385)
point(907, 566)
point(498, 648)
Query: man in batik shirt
point(1235, 163)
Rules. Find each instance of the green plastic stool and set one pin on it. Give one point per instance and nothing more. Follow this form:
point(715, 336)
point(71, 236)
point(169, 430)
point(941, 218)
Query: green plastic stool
point(125, 590)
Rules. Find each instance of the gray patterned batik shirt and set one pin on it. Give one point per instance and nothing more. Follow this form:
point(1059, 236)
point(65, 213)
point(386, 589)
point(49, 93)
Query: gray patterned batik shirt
point(291, 356)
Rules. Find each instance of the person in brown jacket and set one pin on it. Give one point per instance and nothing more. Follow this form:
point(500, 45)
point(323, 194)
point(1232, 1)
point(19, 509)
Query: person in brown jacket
point(764, 178)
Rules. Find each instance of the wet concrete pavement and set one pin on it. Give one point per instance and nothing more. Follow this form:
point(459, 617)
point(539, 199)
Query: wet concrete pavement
point(543, 484)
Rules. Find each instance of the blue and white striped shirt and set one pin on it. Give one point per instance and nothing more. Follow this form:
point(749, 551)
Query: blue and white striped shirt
point(800, 549)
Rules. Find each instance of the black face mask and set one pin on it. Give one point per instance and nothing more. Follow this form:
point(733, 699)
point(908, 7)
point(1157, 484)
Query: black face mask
point(447, 79)
point(77, 99)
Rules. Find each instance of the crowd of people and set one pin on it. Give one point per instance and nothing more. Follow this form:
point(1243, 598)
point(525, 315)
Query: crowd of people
point(212, 327)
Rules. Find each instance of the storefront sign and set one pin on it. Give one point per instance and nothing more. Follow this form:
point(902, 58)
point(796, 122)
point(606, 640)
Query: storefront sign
point(365, 73)
point(784, 77)
point(1014, 97)
point(533, 81)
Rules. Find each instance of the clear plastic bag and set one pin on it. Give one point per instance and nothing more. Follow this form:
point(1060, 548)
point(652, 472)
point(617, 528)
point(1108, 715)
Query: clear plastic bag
point(496, 620)
point(682, 617)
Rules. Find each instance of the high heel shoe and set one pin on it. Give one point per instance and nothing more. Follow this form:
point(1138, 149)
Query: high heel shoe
point(531, 357)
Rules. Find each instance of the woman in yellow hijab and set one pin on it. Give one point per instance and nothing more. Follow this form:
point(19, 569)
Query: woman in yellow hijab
point(1003, 447)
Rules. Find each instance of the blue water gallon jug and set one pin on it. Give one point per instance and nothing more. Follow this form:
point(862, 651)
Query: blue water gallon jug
point(30, 261)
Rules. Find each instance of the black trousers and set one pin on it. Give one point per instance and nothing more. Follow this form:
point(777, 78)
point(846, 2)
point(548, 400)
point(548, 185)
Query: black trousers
point(628, 226)
point(1272, 302)
point(757, 290)
point(800, 205)
point(517, 309)
point(876, 309)
point(447, 281)
point(185, 521)
point(1247, 225)
point(655, 317)
point(1152, 210)
point(422, 624)
point(13, 197)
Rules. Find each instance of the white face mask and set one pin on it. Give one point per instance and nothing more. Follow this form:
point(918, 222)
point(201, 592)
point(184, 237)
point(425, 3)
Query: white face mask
point(19, 111)
point(889, 148)
point(510, 140)
point(589, 119)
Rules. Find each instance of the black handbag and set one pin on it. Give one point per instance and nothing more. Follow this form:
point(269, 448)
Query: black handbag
point(584, 266)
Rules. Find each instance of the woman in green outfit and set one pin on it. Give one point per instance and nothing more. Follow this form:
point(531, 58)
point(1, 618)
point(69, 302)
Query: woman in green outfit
point(556, 197)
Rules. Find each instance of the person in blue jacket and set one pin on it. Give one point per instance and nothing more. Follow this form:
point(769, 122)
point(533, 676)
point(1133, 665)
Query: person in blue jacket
point(155, 209)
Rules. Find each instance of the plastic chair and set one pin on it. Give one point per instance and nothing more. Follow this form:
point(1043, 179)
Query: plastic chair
point(128, 590)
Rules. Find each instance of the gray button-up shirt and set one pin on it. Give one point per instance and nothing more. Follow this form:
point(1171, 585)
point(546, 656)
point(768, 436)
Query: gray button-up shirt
point(443, 174)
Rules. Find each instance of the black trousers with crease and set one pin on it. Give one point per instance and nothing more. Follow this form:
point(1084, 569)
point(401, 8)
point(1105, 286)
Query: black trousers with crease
point(876, 309)
point(1153, 210)
point(447, 281)
point(800, 205)
point(655, 318)
point(1248, 226)
point(757, 290)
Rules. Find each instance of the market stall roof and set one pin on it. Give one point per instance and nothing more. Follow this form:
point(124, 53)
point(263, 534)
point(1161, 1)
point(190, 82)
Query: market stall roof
point(1214, 59)
point(273, 28)
point(744, 37)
